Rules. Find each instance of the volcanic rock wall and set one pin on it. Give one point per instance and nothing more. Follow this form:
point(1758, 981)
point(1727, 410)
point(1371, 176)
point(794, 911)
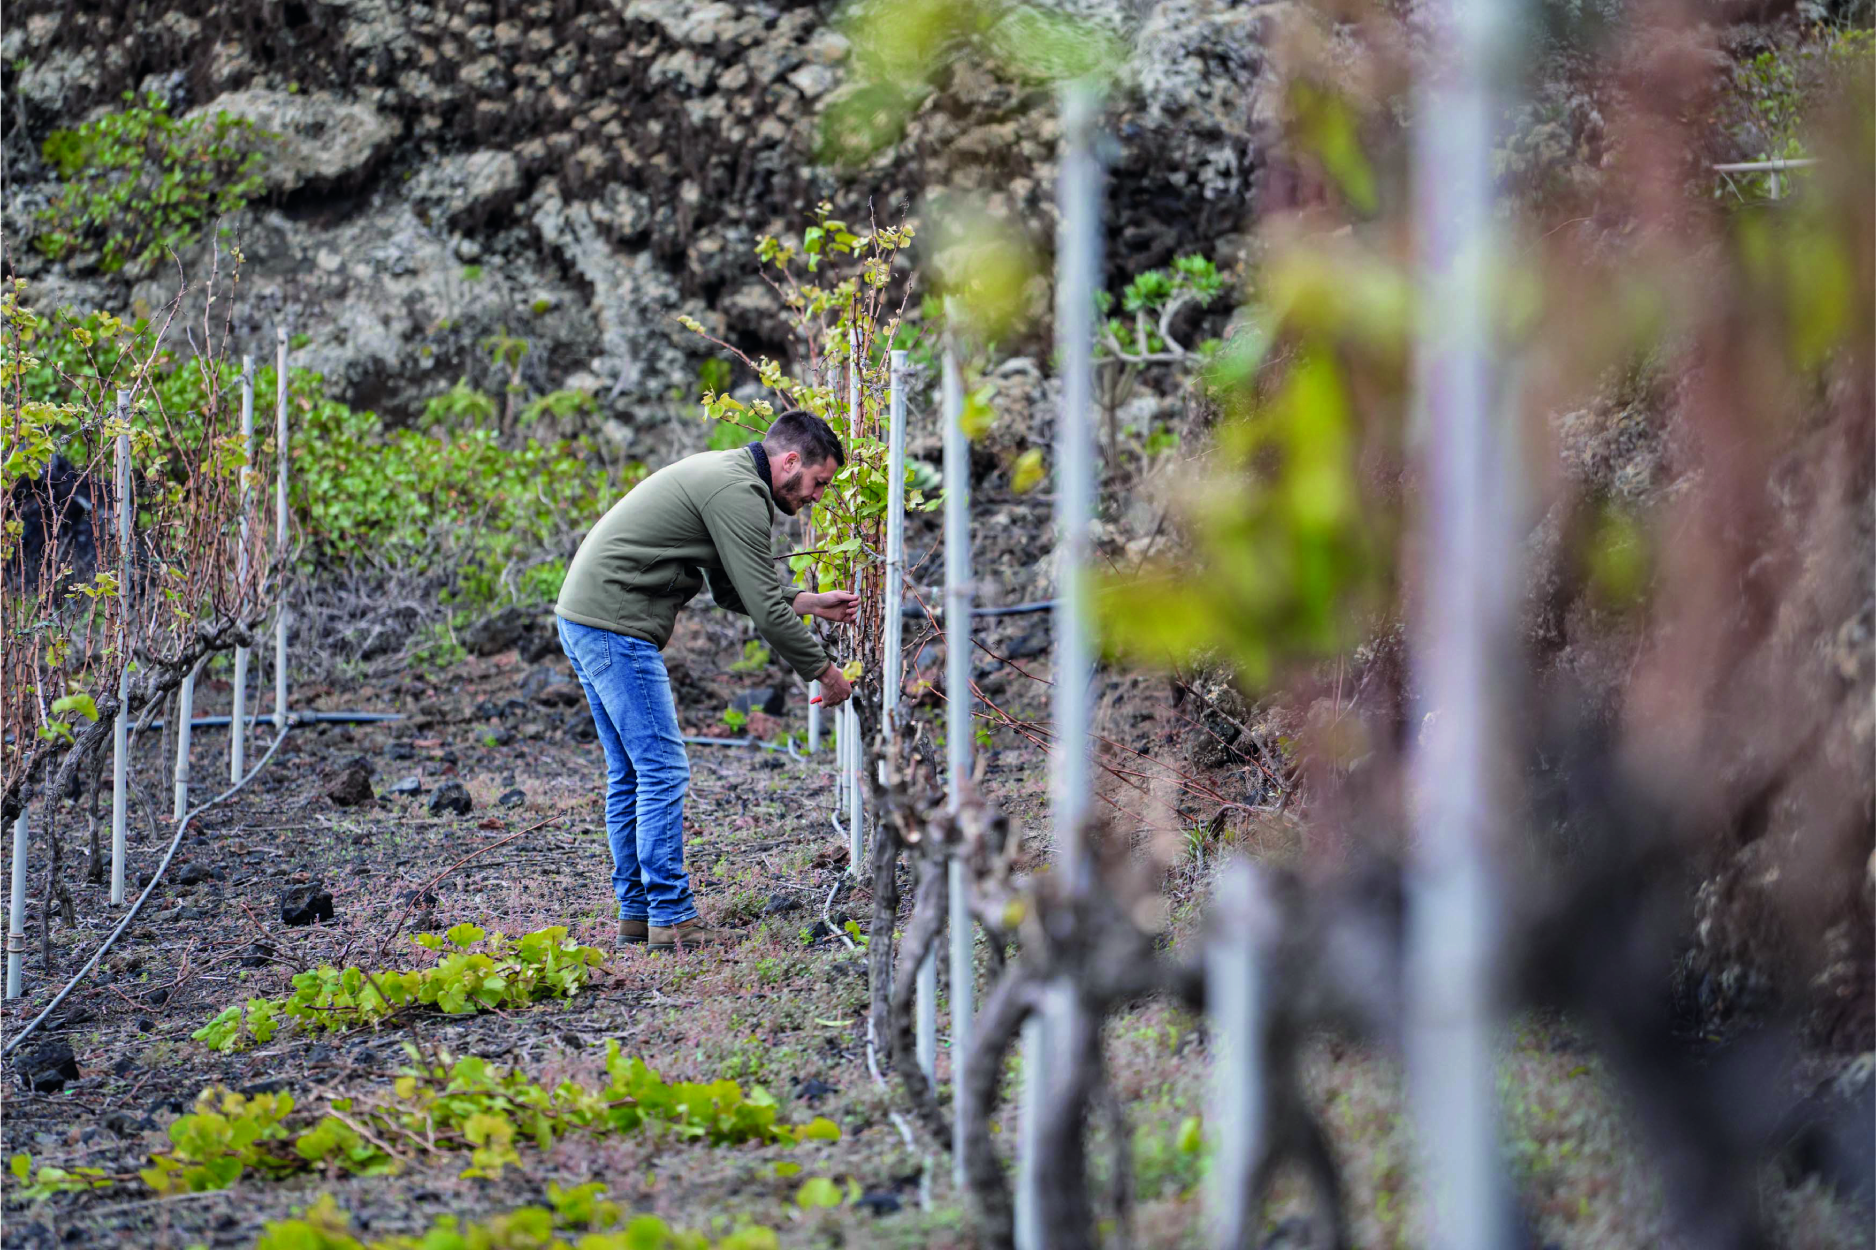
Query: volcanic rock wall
point(578, 173)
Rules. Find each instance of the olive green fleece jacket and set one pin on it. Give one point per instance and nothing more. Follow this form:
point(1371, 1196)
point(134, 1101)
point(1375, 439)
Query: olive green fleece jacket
point(706, 518)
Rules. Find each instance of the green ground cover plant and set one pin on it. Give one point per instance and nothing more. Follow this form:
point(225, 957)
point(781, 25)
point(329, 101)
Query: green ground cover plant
point(506, 972)
point(139, 182)
point(438, 1107)
point(583, 1212)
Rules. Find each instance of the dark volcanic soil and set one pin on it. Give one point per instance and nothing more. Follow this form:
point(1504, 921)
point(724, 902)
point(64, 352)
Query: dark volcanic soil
point(763, 857)
point(782, 1009)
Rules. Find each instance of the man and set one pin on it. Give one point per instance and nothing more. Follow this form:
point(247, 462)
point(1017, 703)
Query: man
point(706, 518)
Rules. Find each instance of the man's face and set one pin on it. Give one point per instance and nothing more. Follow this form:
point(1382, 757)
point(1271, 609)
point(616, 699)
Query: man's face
point(799, 485)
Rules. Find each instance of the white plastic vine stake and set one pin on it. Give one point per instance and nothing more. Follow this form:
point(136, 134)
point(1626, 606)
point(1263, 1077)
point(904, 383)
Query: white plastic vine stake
point(814, 581)
point(813, 717)
point(892, 676)
point(1234, 991)
point(1078, 264)
point(856, 809)
point(894, 598)
point(120, 729)
point(185, 715)
point(238, 714)
point(1456, 786)
point(837, 726)
point(16, 906)
point(280, 529)
point(958, 729)
point(856, 750)
point(1079, 252)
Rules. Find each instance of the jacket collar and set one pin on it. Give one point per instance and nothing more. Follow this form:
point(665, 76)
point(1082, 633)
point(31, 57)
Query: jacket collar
point(761, 457)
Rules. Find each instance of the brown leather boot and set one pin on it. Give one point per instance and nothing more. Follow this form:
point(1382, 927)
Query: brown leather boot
point(632, 932)
point(688, 935)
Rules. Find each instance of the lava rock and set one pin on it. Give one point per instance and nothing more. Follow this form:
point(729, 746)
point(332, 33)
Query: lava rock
point(322, 141)
point(497, 633)
point(125, 1124)
point(267, 1085)
point(351, 785)
point(513, 798)
point(451, 796)
point(560, 694)
point(880, 1201)
point(305, 904)
point(580, 727)
point(259, 955)
point(462, 191)
point(771, 700)
point(400, 750)
point(539, 645)
point(781, 903)
point(1033, 643)
point(156, 997)
point(813, 1089)
point(192, 873)
point(406, 785)
point(46, 1069)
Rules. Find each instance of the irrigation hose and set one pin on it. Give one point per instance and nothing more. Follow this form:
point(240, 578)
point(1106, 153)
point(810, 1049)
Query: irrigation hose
point(917, 612)
point(155, 880)
point(294, 718)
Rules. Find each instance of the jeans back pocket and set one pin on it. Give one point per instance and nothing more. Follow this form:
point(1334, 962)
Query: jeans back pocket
point(590, 649)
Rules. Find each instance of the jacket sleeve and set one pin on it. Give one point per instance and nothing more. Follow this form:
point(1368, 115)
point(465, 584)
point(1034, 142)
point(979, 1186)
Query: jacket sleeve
point(737, 519)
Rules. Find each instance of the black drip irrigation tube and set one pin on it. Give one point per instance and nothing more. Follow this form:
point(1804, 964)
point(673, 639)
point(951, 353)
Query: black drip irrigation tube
point(378, 718)
point(740, 742)
point(156, 879)
point(294, 718)
point(915, 612)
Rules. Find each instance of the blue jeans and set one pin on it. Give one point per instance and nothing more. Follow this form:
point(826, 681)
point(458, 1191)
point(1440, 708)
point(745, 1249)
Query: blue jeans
point(647, 771)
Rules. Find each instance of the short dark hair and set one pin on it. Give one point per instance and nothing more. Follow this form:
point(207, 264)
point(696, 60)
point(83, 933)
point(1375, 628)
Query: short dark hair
point(806, 434)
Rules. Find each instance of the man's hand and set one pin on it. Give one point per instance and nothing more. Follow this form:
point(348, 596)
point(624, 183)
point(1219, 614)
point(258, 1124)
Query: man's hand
point(834, 687)
point(836, 606)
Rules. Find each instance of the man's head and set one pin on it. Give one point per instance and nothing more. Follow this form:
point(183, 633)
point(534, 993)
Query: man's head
point(803, 457)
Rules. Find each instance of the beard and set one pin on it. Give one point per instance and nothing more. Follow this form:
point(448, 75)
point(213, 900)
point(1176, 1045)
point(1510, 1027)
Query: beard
point(788, 494)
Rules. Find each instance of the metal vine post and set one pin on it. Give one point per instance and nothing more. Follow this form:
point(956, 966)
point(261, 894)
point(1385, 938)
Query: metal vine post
point(1464, 627)
point(1078, 266)
point(238, 714)
point(958, 728)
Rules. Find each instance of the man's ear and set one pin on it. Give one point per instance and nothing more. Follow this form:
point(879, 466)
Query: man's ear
point(789, 461)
